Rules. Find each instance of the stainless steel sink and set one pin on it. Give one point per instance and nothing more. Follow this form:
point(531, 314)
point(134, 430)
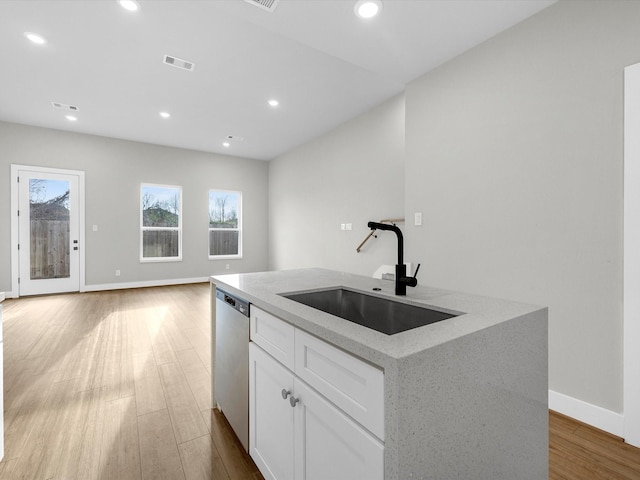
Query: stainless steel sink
point(380, 314)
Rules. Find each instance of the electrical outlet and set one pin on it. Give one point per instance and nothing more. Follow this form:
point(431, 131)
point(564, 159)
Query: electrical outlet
point(349, 226)
point(227, 266)
point(95, 228)
point(117, 273)
point(417, 219)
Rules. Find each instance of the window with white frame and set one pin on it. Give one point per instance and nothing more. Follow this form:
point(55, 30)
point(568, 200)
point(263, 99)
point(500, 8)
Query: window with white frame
point(160, 223)
point(225, 224)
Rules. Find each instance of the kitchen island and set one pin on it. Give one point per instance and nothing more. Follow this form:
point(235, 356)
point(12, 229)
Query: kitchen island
point(463, 398)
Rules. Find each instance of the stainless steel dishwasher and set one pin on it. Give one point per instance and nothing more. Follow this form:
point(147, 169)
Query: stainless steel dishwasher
point(232, 362)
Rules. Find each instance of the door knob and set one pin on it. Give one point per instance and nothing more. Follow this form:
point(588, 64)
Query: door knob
point(285, 393)
point(293, 400)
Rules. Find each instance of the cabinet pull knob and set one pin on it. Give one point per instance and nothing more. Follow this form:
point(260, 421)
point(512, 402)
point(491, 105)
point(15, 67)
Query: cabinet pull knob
point(293, 400)
point(285, 393)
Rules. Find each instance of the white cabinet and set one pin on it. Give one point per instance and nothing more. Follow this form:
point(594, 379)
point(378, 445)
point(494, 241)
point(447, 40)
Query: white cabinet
point(299, 431)
point(271, 442)
point(273, 335)
point(351, 384)
point(329, 444)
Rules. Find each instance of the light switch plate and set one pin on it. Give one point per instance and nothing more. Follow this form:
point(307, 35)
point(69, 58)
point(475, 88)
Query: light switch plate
point(417, 219)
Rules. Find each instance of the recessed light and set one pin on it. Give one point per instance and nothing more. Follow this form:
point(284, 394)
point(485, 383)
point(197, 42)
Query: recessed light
point(165, 114)
point(71, 118)
point(130, 5)
point(367, 8)
point(35, 38)
point(226, 144)
point(273, 102)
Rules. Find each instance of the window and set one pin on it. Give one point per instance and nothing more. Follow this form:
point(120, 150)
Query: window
point(225, 226)
point(160, 223)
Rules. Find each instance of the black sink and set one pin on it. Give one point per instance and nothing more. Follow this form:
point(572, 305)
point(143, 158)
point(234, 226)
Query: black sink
point(380, 314)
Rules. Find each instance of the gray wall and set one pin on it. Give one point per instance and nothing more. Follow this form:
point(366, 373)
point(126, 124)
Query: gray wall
point(351, 175)
point(515, 156)
point(114, 170)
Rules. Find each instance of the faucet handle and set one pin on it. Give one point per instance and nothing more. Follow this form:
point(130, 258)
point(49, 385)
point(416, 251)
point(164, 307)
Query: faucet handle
point(415, 274)
point(412, 281)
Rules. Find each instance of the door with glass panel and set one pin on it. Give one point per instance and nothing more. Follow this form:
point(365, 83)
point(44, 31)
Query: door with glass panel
point(48, 232)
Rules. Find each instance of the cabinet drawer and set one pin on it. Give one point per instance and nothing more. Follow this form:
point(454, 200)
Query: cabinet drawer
point(354, 386)
point(275, 336)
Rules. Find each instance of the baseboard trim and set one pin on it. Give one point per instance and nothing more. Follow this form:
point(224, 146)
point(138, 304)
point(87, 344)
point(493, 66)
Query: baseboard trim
point(593, 415)
point(148, 283)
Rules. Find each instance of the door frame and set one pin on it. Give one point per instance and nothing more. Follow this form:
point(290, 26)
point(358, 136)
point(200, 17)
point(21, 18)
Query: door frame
point(631, 265)
point(15, 259)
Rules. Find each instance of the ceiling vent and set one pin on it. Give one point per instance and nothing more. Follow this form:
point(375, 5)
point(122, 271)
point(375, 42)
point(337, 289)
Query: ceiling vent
point(179, 63)
point(64, 106)
point(235, 138)
point(268, 5)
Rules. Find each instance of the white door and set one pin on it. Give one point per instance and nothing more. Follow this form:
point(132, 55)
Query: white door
point(632, 255)
point(271, 434)
point(329, 444)
point(48, 232)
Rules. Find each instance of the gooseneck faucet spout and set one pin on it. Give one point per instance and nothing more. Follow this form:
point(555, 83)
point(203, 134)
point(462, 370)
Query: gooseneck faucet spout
point(397, 231)
point(401, 269)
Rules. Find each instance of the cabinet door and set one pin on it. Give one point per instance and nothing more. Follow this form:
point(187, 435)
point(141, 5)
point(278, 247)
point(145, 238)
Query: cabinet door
point(271, 417)
point(329, 444)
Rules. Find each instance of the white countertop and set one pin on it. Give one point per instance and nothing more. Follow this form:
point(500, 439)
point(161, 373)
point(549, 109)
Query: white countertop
point(264, 289)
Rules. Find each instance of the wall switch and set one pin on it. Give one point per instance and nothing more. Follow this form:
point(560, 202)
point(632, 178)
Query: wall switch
point(349, 226)
point(227, 266)
point(117, 273)
point(95, 228)
point(417, 219)
point(343, 226)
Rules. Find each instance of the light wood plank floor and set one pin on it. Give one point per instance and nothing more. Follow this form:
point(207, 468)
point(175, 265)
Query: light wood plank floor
point(115, 385)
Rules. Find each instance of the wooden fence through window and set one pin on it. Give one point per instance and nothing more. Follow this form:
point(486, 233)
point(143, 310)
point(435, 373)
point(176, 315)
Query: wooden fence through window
point(49, 249)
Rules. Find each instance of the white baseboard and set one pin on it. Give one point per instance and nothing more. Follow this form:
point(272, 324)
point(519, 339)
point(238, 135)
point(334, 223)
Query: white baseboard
point(149, 283)
point(593, 415)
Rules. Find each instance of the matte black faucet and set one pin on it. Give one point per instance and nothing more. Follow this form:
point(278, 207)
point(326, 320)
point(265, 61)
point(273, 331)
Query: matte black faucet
point(401, 269)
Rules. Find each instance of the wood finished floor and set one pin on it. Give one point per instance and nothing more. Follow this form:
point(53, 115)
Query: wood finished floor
point(115, 385)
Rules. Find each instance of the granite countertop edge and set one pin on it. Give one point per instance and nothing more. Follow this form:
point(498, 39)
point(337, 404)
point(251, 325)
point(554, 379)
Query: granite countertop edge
point(264, 290)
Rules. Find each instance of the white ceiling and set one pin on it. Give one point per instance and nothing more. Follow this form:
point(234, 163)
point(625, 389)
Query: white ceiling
point(323, 64)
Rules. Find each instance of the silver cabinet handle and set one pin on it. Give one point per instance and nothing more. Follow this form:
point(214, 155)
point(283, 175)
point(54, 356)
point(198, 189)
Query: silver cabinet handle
point(293, 400)
point(285, 393)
